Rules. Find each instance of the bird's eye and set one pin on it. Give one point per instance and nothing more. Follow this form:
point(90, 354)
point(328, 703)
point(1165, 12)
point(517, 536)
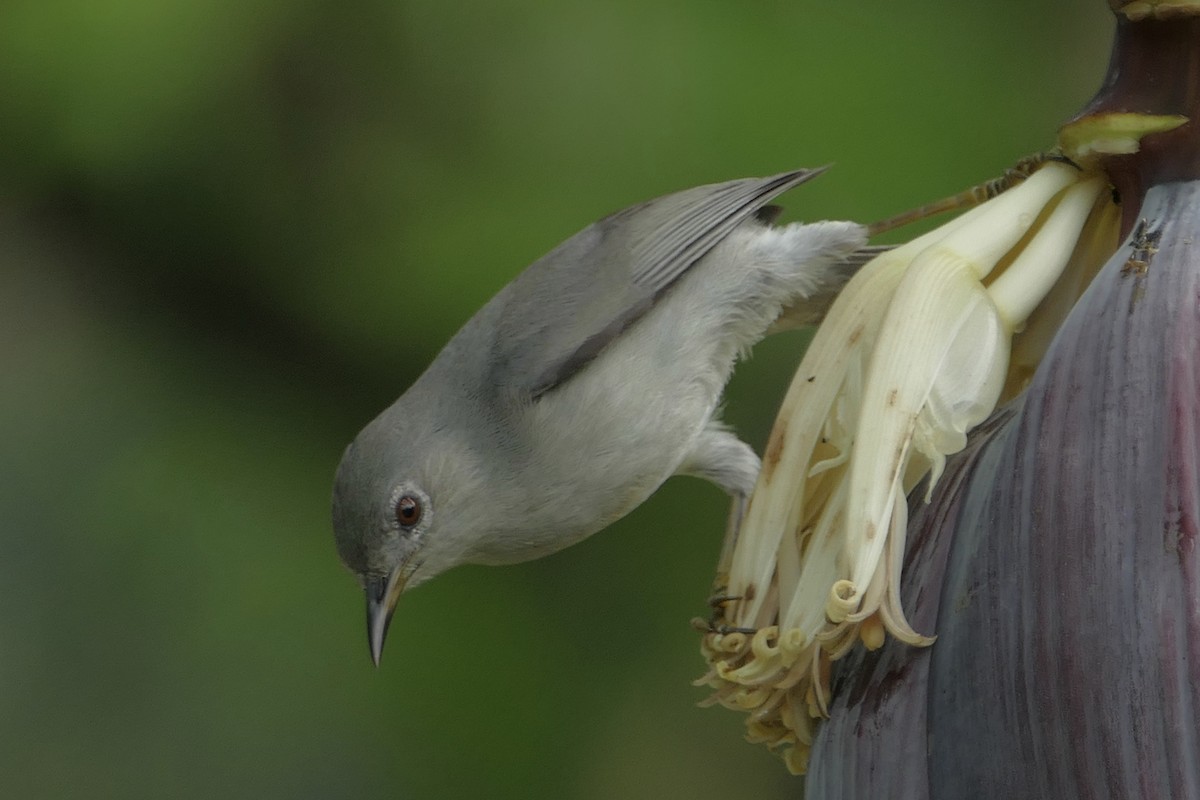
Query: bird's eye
point(408, 511)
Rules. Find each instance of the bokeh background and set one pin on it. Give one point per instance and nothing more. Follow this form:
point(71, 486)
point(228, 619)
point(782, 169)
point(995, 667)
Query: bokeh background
point(232, 232)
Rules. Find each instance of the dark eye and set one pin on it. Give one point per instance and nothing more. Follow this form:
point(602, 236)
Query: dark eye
point(408, 511)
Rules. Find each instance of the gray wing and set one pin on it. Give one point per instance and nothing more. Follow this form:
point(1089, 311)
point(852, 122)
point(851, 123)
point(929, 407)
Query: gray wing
point(564, 309)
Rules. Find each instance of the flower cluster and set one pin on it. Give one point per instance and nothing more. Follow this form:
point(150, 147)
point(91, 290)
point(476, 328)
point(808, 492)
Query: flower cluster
point(919, 349)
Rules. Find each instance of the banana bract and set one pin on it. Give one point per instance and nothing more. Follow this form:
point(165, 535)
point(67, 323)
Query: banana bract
point(918, 351)
point(1058, 559)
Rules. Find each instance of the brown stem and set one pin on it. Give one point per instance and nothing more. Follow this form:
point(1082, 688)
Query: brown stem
point(1154, 69)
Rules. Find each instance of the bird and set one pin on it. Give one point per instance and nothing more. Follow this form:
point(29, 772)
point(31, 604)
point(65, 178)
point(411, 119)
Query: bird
point(582, 386)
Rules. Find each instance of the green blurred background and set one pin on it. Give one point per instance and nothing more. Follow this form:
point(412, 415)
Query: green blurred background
point(232, 232)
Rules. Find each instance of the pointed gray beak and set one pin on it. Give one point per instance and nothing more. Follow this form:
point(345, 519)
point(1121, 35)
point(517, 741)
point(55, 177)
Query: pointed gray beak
point(382, 595)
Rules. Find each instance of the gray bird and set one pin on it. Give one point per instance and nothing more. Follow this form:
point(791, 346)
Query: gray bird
point(582, 386)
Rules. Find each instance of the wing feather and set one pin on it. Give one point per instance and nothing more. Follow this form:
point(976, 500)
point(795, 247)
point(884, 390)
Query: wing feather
point(563, 310)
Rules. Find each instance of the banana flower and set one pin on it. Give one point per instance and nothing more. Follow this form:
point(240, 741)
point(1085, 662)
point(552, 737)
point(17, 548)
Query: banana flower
point(969, 567)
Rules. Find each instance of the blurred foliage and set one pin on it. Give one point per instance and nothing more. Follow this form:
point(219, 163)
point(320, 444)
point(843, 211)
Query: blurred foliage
point(230, 233)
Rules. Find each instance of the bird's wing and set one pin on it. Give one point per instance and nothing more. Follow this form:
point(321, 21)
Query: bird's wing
point(563, 310)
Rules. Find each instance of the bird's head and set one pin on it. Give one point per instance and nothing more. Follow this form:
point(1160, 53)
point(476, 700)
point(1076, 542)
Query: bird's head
point(408, 504)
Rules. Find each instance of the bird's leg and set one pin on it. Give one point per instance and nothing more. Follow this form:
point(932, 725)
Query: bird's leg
point(720, 598)
point(718, 603)
point(711, 625)
point(722, 458)
point(737, 511)
point(973, 196)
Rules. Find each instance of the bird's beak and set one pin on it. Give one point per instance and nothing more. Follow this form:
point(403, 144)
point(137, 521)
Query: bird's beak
point(382, 594)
